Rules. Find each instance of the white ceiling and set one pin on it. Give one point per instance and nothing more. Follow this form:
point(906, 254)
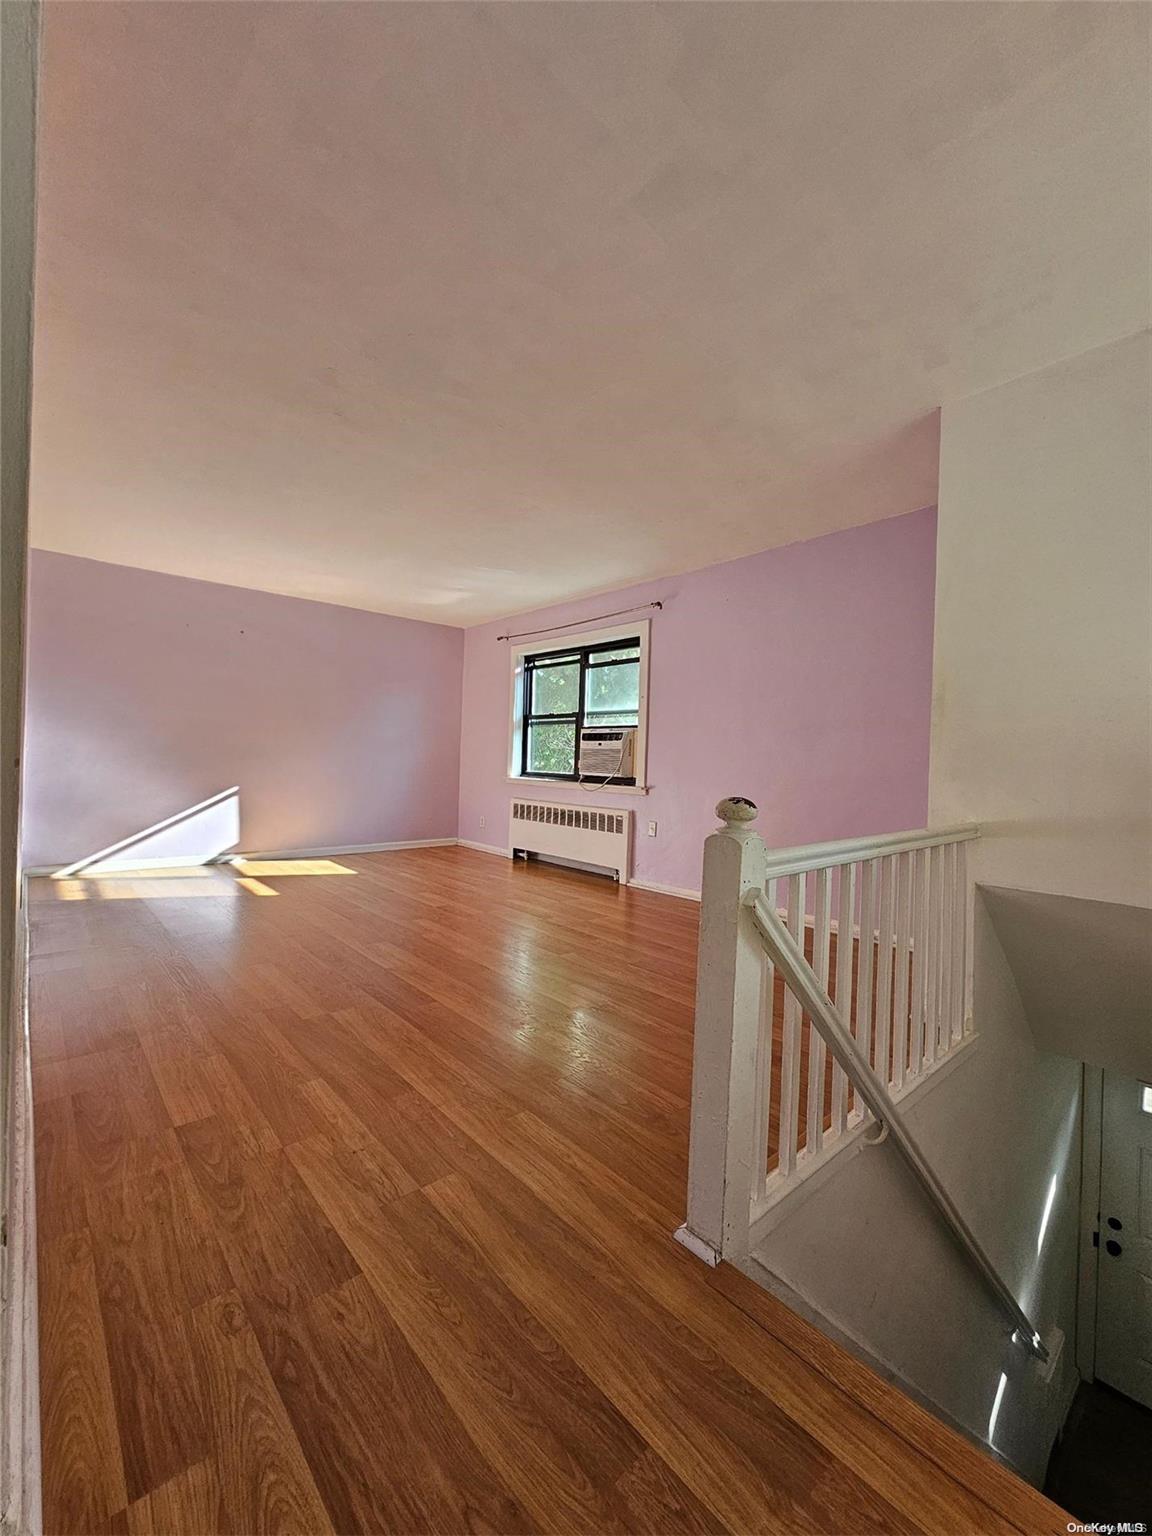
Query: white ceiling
point(451, 310)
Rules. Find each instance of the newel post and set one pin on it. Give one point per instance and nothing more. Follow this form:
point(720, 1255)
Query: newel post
point(724, 1053)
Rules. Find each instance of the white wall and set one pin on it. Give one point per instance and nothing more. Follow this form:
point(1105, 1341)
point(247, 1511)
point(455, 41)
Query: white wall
point(1084, 972)
point(1042, 727)
point(867, 1252)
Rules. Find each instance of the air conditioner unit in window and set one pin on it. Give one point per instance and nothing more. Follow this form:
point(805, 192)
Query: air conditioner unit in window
point(607, 752)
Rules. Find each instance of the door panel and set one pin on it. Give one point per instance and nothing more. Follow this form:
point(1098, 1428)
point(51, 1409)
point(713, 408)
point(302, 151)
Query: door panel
point(1124, 1298)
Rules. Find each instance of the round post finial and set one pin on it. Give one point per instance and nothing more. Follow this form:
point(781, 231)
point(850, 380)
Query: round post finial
point(736, 812)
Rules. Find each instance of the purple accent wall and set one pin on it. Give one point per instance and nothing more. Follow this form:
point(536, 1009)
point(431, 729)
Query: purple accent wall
point(801, 677)
point(149, 693)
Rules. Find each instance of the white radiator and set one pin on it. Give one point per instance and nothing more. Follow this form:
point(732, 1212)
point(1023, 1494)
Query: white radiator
point(585, 833)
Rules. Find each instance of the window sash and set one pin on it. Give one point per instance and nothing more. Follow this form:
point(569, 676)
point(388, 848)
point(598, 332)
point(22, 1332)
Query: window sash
point(585, 657)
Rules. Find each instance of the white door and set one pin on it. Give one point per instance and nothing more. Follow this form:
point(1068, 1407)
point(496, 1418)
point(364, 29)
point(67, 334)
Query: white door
point(1124, 1297)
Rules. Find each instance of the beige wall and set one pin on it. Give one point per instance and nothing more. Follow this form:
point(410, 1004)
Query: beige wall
point(1042, 725)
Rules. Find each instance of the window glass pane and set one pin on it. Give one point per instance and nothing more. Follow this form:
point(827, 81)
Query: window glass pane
point(556, 690)
point(613, 688)
point(612, 717)
point(552, 747)
point(621, 653)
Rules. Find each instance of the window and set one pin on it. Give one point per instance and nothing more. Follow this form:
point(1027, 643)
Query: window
point(564, 690)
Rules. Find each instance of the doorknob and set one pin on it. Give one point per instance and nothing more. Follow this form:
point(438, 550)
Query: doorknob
point(1113, 1247)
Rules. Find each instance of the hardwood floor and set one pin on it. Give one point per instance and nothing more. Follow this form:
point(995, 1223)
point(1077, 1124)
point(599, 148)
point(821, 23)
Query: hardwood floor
point(356, 1193)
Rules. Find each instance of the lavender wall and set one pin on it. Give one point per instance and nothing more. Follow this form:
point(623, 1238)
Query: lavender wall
point(149, 693)
point(801, 677)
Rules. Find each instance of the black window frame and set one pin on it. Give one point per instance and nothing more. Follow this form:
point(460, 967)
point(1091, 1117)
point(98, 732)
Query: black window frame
point(534, 660)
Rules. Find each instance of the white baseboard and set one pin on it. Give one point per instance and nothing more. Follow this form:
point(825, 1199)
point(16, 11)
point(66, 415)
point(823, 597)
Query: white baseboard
point(666, 890)
point(35, 870)
point(328, 853)
point(20, 1505)
point(466, 842)
point(696, 1245)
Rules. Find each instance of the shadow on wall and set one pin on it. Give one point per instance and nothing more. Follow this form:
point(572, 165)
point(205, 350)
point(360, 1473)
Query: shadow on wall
point(196, 835)
point(1084, 973)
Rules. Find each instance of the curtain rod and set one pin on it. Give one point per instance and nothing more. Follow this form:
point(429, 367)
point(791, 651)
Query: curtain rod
point(594, 618)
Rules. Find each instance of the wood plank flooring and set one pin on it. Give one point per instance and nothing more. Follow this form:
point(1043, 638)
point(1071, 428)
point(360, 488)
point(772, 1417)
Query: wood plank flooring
point(356, 1192)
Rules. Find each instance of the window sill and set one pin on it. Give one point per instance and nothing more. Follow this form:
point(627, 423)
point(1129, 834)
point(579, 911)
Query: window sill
point(607, 789)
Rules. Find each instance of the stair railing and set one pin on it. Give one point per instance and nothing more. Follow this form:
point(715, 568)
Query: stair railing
point(797, 1058)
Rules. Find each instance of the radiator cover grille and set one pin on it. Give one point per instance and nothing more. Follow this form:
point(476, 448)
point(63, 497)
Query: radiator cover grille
point(569, 816)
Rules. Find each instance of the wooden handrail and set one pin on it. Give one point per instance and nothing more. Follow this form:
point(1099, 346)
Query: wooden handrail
point(788, 957)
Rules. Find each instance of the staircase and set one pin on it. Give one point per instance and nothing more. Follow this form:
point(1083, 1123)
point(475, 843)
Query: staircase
point(834, 999)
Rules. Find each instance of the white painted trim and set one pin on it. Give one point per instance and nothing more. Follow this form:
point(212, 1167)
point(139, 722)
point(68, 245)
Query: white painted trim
point(641, 628)
point(326, 853)
point(795, 861)
point(665, 890)
point(97, 872)
point(697, 1246)
point(1091, 1149)
point(20, 1504)
point(501, 853)
point(37, 870)
point(521, 780)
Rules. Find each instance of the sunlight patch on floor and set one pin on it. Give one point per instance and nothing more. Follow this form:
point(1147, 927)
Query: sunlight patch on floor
point(278, 867)
point(186, 882)
point(144, 884)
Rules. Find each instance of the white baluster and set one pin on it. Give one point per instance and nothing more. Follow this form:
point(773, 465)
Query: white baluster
point(963, 1022)
point(884, 970)
point(790, 1057)
point(864, 968)
point(904, 871)
point(763, 1102)
point(817, 1058)
point(845, 922)
point(947, 945)
point(919, 958)
point(932, 959)
point(775, 1036)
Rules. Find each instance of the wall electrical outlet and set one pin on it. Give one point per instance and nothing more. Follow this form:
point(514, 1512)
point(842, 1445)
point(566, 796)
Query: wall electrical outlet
point(651, 829)
point(483, 823)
